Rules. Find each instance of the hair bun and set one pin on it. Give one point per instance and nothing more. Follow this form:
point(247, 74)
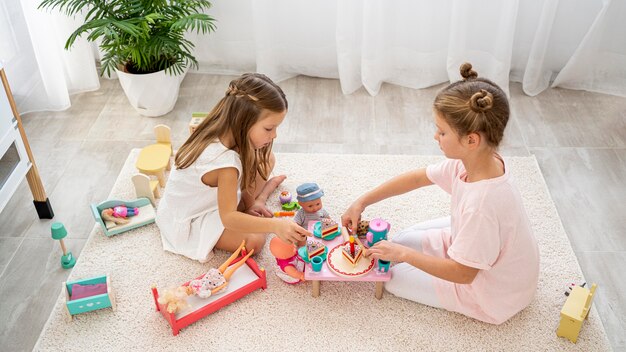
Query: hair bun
point(481, 101)
point(467, 72)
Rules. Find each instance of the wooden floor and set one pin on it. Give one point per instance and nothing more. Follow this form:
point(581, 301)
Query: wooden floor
point(578, 138)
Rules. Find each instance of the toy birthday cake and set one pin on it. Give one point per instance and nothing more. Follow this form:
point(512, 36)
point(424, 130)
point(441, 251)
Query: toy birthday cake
point(329, 227)
point(348, 255)
point(314, 248)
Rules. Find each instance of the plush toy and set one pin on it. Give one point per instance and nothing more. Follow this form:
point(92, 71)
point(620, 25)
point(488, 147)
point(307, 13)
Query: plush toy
point(175, 299)
point(108, 215)
point(289, 265)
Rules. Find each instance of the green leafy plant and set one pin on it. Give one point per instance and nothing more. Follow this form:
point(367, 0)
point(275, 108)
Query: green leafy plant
point(140, 36)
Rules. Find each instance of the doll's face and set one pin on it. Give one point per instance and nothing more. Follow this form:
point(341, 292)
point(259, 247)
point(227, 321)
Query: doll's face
point(312, 206)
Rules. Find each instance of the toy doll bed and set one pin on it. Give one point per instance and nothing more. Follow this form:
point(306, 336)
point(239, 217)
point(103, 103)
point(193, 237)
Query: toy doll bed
point(146, 215)
point(245, 280)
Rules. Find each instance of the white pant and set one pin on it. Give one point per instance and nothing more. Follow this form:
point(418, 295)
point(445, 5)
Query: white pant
point(408, 281)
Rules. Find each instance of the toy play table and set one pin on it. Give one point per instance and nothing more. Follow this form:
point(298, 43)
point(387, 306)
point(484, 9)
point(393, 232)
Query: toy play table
point(326, 274)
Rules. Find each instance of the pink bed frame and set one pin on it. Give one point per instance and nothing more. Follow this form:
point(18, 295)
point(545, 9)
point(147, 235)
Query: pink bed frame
point(177, 324)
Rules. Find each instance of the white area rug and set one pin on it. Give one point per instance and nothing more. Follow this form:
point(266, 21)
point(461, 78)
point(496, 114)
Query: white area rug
point(346, 316)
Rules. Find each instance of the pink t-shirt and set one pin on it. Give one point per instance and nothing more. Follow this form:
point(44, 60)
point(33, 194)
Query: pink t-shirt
point(490, 231)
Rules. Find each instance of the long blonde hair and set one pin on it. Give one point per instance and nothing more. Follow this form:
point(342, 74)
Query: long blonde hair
point(474, 105)
point(239, 109)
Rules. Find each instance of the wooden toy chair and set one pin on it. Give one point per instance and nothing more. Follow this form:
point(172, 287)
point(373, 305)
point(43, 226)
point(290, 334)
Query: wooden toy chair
point(145, 187)
point(155, 158)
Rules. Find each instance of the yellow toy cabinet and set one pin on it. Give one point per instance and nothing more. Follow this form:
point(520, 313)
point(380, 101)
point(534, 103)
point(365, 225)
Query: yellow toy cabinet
point(575, 311)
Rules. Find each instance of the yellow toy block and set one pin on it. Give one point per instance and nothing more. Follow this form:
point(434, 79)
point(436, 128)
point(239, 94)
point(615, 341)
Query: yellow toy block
point(574, 312)
point(196, 119)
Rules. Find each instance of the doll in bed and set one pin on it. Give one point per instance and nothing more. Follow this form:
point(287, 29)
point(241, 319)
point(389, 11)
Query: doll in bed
point(212, 282)
point(217, 279)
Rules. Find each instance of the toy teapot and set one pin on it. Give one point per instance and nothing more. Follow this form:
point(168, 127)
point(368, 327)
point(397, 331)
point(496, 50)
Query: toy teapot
point(377, 231)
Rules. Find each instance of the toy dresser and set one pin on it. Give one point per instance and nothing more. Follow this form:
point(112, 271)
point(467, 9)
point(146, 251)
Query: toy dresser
point(89, 303)
point(575, 311)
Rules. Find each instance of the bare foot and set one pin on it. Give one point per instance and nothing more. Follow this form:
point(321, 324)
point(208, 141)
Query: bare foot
point(269, 187)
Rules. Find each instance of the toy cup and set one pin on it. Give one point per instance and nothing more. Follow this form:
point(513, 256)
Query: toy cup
point(383, 265)
point(316, 263)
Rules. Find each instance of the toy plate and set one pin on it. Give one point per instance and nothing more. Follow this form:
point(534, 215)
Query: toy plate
point(304, 255)
point(341, 267)
point(317, 232)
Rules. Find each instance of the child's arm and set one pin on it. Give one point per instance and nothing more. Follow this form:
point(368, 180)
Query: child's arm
point(443, 268)
point(226, 181)
point(398, 185)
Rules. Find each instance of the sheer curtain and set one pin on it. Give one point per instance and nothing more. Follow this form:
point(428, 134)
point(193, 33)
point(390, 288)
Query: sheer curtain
point(576, 44)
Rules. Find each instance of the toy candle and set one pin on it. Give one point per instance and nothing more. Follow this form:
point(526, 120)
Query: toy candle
point(352, 245)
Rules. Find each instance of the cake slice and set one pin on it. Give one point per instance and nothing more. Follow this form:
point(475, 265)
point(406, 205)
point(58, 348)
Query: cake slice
point(329, 227)
point(358, 253)
point(314, 248)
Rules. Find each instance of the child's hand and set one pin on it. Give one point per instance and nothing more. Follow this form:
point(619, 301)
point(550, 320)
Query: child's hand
point(387, 250)
point(259, 209)
point(352, 216)
point(290, 232)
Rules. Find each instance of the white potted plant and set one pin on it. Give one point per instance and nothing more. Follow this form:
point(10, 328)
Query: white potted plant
point(144, 42)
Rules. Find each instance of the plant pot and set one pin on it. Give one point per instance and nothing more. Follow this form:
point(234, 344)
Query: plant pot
point(151, 94)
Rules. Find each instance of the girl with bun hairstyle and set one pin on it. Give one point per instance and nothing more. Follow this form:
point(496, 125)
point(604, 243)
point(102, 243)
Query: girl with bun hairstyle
point(483, 260)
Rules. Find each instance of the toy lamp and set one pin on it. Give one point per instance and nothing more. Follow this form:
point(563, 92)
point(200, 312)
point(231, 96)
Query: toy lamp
point(58, 233)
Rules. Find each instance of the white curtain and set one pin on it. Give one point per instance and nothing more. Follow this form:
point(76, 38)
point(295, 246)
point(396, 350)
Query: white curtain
point(576, 44)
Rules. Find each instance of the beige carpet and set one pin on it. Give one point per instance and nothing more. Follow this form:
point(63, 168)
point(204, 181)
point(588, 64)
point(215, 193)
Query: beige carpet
point(346, 316)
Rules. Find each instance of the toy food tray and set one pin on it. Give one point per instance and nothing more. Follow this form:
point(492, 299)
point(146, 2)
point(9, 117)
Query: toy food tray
point(146, 215)
point(245, 280)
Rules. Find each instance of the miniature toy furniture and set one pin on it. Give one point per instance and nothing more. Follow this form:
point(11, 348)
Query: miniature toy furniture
point(575, 311)
point(97, 293)
point(58, 233)
point(196, 120)
point(244, 281)
point(369, 273)
point(146, 188)
point(16, 158)
point(146, 215)
point(155, 158)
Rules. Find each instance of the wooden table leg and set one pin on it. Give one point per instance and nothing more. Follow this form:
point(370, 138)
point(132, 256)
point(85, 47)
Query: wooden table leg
point(379, 289)
point(315, 289)
point(160, 175)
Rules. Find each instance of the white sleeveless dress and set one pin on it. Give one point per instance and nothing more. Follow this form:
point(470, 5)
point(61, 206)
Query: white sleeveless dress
point(187, 214)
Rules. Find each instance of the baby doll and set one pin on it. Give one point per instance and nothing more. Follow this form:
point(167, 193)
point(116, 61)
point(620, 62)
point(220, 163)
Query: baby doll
point(289, 265)
point(310, 199)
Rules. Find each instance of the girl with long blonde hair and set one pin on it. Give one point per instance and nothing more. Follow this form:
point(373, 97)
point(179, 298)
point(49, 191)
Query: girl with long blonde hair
point(215, 196)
